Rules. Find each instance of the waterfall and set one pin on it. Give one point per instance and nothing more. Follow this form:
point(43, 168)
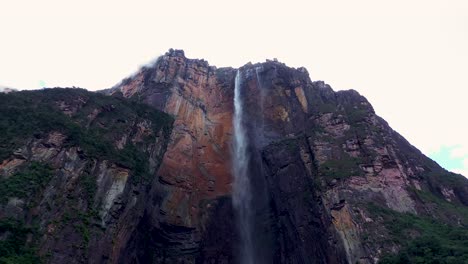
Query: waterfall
point(242, 196)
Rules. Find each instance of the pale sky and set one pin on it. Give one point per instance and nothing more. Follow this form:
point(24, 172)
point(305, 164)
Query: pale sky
point(408, 57)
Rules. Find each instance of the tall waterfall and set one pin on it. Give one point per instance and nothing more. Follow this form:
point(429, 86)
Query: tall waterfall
point(242, 196)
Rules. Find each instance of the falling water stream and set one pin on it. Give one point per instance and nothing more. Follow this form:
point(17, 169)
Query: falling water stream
point(242, 196)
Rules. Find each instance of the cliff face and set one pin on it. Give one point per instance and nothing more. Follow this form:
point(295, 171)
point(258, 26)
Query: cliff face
point(321, 163)
point(104, 179)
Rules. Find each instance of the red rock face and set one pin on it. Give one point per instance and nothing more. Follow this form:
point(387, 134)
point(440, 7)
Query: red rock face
point(196, 169)
point(196, 165)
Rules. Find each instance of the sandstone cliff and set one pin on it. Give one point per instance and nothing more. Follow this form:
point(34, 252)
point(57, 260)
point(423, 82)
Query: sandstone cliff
point(322, 160)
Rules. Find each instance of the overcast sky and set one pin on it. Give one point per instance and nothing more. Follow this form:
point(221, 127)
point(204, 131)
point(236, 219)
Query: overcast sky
point(408, 57)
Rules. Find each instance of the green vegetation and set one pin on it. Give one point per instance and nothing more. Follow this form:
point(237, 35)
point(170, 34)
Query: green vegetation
point(423, 239)
point(356, 115)
point(133, 159)
point(84, 231)
point(326, 108)
point(26, 183)
point(36, 113)
point(430, 249)
point(446, 209)
point(445, 178)
point(14, 245)
point(83, 222)
point(341, 168)
point(289, 143)
point(88, 183)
